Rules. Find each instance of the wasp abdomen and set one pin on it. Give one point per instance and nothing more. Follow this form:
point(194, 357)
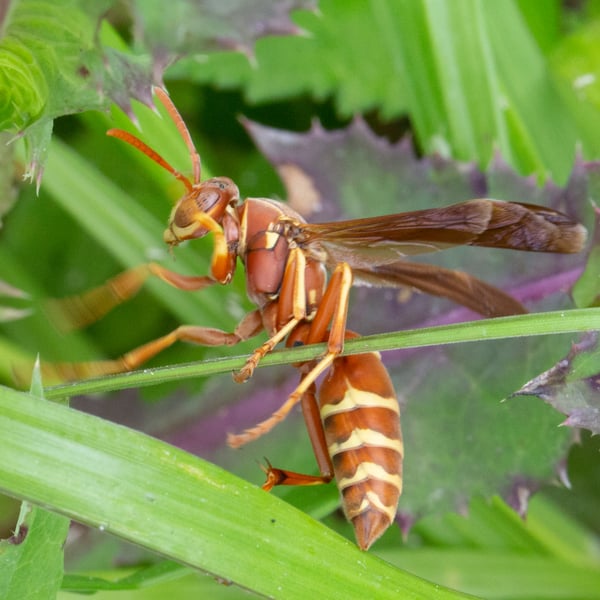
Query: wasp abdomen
point(362, 429)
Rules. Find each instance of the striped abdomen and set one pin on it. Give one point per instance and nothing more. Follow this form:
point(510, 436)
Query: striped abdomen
point(361, 419)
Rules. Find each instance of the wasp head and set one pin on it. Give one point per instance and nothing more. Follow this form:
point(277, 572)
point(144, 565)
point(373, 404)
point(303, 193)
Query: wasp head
point(205, 203)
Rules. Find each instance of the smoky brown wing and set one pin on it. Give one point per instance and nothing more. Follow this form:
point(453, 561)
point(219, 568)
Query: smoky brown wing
point(384, 240)
point(376, 248)
point(530, 227)
point(404, 234)
point(457, 286)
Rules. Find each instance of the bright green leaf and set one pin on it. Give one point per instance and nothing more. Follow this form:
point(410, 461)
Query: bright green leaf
point(159, 497)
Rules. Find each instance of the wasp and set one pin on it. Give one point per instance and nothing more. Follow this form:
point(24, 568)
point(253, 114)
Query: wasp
point(299, 276)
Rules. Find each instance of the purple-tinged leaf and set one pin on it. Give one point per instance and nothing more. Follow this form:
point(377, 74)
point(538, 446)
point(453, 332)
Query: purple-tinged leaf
point(351, 173)
point(572, 385)
point(189, 28)
point(460, 439)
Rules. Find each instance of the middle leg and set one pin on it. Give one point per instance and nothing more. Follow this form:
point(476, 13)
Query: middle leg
point(332, 311)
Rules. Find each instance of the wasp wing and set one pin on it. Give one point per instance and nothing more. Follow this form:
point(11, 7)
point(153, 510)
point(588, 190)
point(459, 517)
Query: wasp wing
point(492, 223)
point(460, 287)
point(376, 248)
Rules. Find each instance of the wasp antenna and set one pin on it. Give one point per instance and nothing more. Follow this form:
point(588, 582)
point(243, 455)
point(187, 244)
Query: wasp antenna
point(183, 131)
point(134, 141)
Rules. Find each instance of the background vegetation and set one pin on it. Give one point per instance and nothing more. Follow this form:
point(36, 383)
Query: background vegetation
point(496, 98)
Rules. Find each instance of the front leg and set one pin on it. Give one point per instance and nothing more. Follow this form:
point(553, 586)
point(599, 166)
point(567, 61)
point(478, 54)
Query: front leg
point(285, 313)
point(80, 310)
point(248, 327)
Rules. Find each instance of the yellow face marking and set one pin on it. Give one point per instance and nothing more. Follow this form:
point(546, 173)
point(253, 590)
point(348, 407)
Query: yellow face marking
point(366, 437)
point(366, 471)
point(354, 398)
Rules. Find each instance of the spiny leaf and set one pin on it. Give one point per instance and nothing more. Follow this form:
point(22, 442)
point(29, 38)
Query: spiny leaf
point(189, 28)
point(53, 62)
point(572, 386)
point(450, 396)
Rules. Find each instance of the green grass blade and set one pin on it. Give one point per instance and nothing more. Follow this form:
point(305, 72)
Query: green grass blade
point(572, 321)
point(502, 575)
point(168, 501)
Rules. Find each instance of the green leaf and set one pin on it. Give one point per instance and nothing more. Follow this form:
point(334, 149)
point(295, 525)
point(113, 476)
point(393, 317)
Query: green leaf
point(470, 402)
point(577, 61)
point(52, 64)
point(449, 68)
point(488, 329)
point(45, 52)
point(546, 555)
point(31, 562)
point(159, 497)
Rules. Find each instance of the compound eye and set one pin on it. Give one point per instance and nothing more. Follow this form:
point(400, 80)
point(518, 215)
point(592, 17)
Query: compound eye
point(185, 211)
point(207, 200)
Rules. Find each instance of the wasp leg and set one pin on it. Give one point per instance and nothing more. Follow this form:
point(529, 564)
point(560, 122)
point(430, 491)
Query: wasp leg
point(75, 312)
point(333, 309)
point(248, 327)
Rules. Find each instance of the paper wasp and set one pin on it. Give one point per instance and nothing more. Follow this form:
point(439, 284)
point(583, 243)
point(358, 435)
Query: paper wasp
point(352, 414)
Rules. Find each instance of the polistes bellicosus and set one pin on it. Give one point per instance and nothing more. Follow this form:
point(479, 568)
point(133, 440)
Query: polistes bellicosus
point(353, 418)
